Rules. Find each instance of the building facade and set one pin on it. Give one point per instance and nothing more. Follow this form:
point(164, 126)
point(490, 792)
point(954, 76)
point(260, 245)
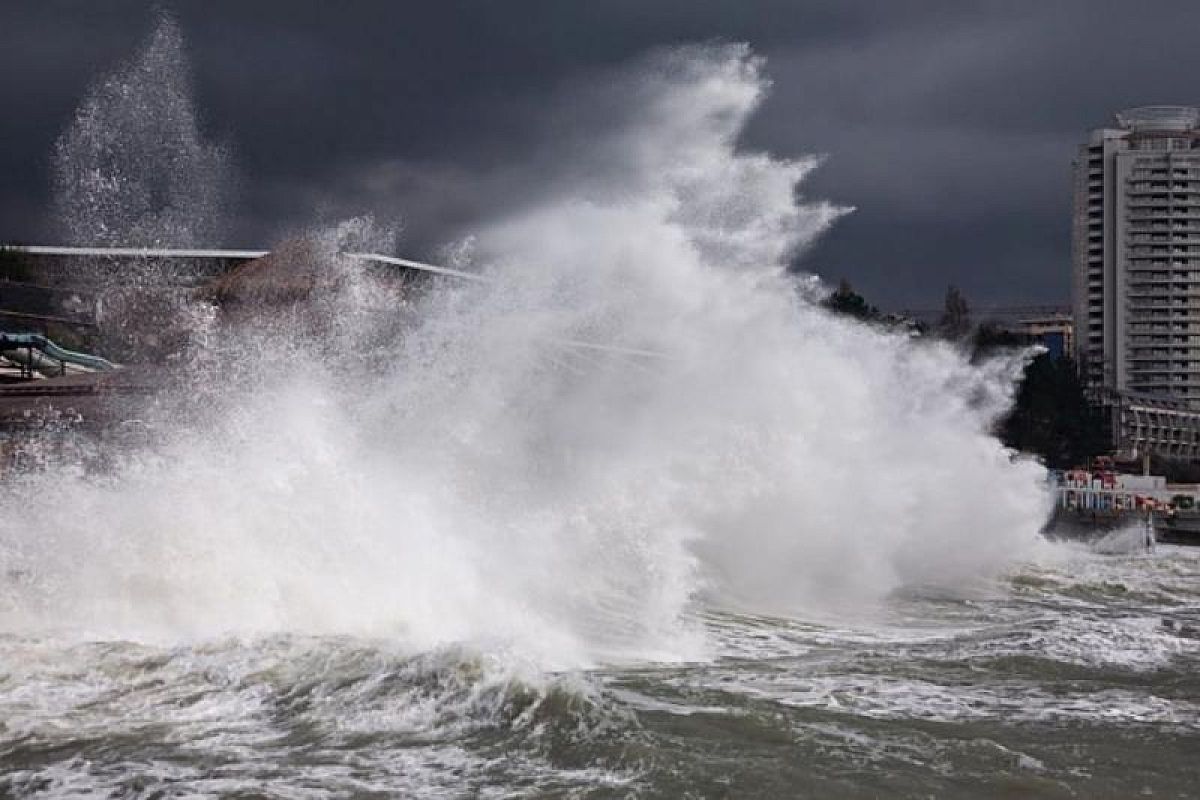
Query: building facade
point(1055, 332)
point(1136, 277)
point(1145, 424)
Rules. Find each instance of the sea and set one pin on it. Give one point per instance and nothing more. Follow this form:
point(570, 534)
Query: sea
point(1074, 679)
point(632, 515)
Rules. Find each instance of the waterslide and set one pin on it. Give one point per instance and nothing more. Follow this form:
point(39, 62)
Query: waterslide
point(36, 352)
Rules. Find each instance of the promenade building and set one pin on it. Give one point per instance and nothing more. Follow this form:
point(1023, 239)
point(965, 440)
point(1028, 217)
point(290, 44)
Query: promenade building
point(1055, 332)
point(1136, 277)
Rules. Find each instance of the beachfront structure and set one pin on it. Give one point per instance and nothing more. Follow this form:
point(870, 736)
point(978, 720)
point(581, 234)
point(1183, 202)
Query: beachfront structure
point(1107, 491)
point(1136, 277)
point(1143, 424)
point(1055, 332)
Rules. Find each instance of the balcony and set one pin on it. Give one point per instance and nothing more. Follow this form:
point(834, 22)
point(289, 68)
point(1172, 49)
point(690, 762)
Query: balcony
point(1149, 213)
point(1166, 250)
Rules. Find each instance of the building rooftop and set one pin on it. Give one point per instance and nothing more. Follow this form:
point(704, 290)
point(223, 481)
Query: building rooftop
point(1159, 118)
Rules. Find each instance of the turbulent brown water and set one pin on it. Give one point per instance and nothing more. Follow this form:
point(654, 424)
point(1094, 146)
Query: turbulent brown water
point(634, 516)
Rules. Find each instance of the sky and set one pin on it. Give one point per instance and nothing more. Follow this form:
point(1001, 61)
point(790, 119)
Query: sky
point(949, 126)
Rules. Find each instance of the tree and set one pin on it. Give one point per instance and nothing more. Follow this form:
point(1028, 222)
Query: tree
point(989, 338)
point(955, 322)
point(1052, 416)
point(844, 300)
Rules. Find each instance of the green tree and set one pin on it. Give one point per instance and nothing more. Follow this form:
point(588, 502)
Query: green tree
point(1052, 416)
point(989, 338)
point(844, 300)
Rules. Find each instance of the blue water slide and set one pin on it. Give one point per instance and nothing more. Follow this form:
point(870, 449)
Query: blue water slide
point(10, 342)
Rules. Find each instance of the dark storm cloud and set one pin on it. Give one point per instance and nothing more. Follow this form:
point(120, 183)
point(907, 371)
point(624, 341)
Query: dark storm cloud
point(949, 125)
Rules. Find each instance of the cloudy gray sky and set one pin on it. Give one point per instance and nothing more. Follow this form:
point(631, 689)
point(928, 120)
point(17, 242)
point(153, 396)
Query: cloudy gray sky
point(949, 126)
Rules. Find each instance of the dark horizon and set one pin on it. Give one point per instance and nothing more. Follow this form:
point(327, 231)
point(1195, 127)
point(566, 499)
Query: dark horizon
point(951, 130)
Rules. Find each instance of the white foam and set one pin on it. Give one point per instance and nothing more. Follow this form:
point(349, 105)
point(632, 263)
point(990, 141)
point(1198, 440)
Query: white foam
point(463, 482)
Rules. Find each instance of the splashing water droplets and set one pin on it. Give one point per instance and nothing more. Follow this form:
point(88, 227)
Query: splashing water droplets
point(474, 475)
point(133, 169)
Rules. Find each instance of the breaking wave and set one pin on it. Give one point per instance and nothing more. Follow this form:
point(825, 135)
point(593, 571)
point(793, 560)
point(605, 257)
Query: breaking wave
point(640, 414)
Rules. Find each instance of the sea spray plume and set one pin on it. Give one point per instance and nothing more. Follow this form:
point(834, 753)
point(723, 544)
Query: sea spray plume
point(132, 168)
point(480, 479)
point(806, 460)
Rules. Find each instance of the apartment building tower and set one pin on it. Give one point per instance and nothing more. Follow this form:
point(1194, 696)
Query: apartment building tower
point(1136, 281)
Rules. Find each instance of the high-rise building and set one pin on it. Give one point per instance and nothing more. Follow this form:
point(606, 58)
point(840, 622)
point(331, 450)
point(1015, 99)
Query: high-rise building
point(1136, 287)
point(1137, 253)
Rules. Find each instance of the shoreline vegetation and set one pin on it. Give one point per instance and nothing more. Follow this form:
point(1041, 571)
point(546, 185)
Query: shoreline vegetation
point(1051, 416)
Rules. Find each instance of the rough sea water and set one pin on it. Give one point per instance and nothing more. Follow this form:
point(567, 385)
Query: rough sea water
point(633, 518)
